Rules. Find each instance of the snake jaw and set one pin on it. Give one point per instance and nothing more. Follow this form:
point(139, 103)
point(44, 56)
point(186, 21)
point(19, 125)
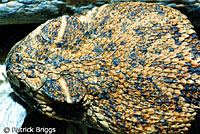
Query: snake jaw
point(43, 103)
point(73, 112)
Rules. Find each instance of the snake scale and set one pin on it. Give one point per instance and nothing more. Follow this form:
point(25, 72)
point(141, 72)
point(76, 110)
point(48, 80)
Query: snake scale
point(121, 68)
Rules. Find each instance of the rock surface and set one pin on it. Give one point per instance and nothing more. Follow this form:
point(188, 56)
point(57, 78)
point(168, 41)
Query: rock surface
point(12, 113)
point(4, 85)
point(29, 11)
point(38, 11)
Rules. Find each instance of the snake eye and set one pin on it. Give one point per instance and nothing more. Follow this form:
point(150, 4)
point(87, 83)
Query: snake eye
point(16, 58)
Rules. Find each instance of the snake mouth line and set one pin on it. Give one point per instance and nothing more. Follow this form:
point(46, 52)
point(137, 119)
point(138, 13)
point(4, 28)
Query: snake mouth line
point(43, 104)
point(60, 110)
point(35, 99)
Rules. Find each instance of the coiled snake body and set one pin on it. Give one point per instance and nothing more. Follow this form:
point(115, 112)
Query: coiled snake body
point(122, 68)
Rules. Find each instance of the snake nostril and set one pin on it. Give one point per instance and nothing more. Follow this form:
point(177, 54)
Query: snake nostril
point(16, 58)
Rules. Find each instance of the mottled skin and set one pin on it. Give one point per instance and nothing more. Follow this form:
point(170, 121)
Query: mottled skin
point(121, 68)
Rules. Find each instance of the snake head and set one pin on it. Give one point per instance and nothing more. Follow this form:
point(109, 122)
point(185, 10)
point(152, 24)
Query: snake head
point(38, 67)
point(135, 69)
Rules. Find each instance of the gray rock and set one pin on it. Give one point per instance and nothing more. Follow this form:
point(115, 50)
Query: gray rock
point(38, 11)
point(29, 11)
point(4, 1)
point(12, 114)
point(28, 1)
